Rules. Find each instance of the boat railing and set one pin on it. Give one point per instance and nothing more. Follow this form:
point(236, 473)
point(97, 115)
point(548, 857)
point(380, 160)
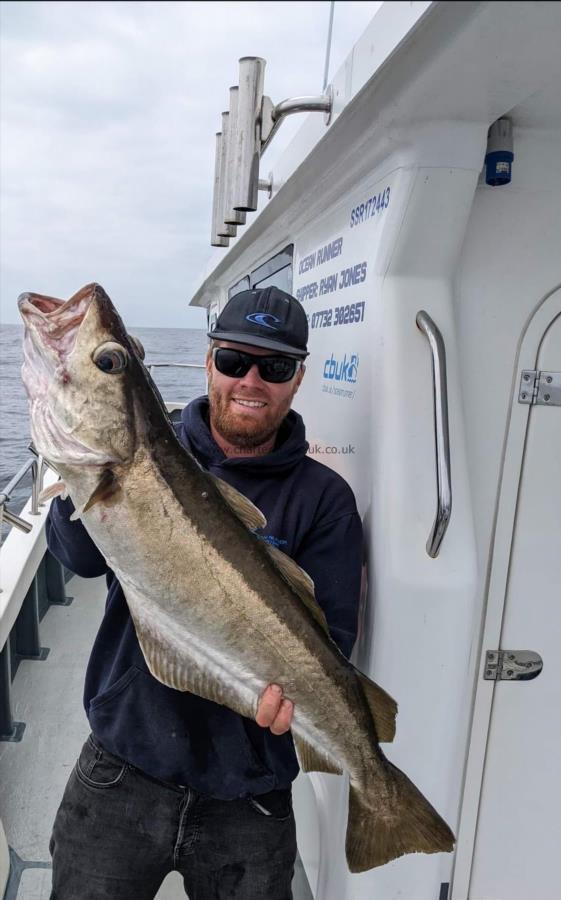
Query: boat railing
point(37, 466)
point(31, 579)
point(174, 365)
point(173, 407)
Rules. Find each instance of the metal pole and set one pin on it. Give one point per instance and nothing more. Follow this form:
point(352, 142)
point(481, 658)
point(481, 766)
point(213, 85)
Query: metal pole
point(221, 228)
point(322, 103)
point(248, 138)
point(35, 487)
point(216, 240)
point(13, 519)
point(328, 48)
point(441, 432)
point(232, 216)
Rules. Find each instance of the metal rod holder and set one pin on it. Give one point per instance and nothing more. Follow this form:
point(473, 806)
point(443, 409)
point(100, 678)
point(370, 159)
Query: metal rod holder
point(321, 103)
point(266, 185)
point(217, 240)
point(222, 228)
point(247, 130)
point(15, 520)
point(245, 172)
point(272, 116)
point(441, 433)
point(232, 216)
point(36, 464)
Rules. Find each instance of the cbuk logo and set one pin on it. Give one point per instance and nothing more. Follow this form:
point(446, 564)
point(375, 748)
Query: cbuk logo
point(260, 318)
point(345, 370)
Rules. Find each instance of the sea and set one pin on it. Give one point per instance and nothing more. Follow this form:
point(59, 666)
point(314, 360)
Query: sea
point(161, 345)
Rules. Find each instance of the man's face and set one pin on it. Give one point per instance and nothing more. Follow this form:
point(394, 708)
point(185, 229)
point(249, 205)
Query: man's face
point(248, 411)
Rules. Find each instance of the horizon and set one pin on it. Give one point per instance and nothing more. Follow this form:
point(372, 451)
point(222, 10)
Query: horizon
point(136, 327)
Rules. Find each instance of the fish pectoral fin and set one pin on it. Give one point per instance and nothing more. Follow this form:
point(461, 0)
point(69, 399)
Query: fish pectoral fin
point(300, 582)
point(58, 489)
point(312, 760)
point(245, 510)
point(383, 708)
point(108, 485)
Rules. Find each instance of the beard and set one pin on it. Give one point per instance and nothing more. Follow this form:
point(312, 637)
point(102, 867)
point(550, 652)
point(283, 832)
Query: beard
point(240, 431)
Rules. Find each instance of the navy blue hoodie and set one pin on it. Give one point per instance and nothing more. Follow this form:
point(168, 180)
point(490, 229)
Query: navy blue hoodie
point(179, 737)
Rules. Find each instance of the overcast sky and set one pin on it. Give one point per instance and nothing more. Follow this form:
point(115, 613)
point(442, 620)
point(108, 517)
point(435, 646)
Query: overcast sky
point(108, 119)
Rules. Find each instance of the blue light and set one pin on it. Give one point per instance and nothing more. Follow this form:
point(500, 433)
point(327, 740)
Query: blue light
point(498, 167)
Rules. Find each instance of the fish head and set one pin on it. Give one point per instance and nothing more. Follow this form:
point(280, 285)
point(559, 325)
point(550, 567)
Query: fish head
point(79, 370)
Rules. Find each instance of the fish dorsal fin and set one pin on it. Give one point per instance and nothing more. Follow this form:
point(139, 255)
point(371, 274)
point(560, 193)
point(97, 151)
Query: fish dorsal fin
point(312, 760)
point(107, 486)
point(300, 582)
point(245, 510)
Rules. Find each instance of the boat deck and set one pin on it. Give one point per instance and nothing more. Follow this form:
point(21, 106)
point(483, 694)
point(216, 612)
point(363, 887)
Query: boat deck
point(47, 697)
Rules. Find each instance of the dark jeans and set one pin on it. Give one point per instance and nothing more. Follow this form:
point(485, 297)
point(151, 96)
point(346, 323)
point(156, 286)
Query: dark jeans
point(118, 833)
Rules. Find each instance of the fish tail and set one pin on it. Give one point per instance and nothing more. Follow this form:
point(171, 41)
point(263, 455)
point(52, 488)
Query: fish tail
point(378, 832)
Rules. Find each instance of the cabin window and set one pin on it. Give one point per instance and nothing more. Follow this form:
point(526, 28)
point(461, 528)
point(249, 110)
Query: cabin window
point(212, 316)
point(276, 271)
point(238, 287)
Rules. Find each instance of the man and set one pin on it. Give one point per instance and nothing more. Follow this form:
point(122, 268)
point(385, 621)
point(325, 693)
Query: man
point(168, 780)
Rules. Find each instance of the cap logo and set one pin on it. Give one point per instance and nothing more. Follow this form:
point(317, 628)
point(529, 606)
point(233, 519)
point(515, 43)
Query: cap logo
point(260, 318)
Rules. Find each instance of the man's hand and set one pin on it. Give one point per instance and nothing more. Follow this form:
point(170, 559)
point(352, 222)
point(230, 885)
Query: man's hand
point(273, 711)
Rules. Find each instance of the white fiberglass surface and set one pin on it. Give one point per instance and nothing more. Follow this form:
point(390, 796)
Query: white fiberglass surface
point(509, 265)
point(362, 271)
point(521, 781)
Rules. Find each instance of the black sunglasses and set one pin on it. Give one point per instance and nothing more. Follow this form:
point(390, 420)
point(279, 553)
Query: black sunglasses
point(236, 364)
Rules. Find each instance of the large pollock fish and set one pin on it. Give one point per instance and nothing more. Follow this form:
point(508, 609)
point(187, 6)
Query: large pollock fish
point(217, 611)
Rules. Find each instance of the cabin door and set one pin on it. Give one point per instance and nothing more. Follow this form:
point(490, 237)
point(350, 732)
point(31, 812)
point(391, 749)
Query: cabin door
point(517, 852)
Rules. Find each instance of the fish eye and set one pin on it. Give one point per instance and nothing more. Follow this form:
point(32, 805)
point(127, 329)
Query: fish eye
point(110, 358)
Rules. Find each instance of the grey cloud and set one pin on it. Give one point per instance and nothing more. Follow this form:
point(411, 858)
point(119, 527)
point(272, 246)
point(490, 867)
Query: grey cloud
point(109, 112)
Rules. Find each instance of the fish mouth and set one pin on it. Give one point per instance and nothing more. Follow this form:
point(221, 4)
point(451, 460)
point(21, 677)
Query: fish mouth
point(51, 329)
point(52, 323)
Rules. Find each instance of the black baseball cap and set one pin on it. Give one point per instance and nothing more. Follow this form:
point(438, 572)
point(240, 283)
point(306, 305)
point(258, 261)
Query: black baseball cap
point(266, 317)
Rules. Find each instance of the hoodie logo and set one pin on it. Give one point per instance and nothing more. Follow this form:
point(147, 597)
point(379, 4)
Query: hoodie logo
point(272, 540)
point(261, 319)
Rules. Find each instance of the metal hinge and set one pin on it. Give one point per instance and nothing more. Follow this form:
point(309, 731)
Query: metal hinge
point(512, 665)
point(540, 388)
